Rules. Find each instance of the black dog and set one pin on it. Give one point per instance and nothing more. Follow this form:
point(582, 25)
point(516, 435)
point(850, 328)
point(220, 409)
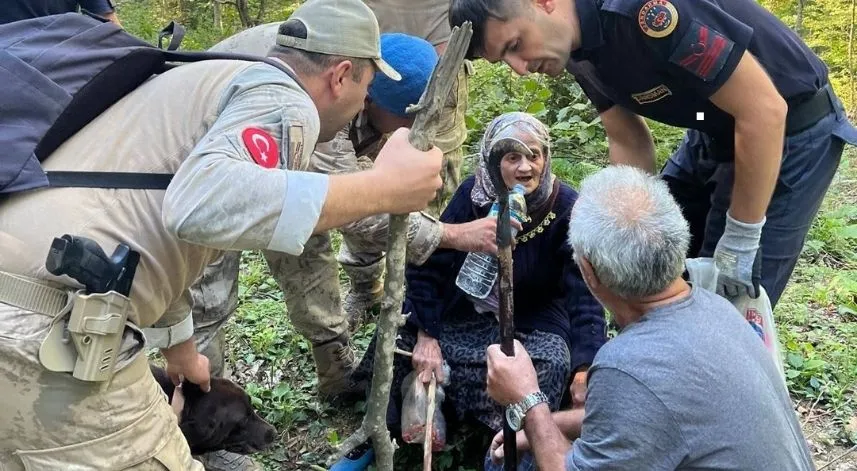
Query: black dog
point(221, 419)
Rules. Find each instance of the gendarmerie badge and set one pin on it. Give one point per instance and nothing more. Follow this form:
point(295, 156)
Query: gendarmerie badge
point(658, 18)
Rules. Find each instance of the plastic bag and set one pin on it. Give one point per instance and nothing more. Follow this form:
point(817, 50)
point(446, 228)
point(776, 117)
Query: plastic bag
point(759, 314)
point(703, 273)
point(415, 413)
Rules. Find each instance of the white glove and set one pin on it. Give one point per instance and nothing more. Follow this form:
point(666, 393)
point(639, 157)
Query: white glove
point(738, 257)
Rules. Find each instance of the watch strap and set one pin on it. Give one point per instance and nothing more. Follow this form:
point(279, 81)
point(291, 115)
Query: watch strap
point(532, 400)
point(519, 409)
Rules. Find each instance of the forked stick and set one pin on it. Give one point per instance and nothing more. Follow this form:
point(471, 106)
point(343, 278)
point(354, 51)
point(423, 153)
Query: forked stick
point(421, 136)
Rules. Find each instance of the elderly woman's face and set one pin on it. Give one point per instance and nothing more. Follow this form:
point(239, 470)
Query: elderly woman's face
point(526, 170)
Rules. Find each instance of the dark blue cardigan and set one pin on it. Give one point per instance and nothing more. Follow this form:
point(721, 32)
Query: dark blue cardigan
point(550, 294)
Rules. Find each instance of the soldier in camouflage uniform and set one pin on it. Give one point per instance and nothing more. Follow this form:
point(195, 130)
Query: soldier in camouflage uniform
point(425, 19)
point(310, 281)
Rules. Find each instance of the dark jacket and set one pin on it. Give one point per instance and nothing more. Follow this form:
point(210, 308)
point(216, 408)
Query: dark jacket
point(15, 10)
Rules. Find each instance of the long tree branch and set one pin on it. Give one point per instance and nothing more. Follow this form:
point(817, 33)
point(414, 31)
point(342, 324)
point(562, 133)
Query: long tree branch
point(421, 136)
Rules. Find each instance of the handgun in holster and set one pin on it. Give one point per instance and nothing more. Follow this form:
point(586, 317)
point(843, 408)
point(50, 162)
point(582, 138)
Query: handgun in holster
point(97, 321)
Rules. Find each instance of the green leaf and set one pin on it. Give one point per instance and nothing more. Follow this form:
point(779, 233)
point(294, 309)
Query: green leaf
point(848, 211)
point(813, 364)
point(579, 106)
point(332, 437)
point(257, 403)
point(792, 374)
point(815, 383)
point(281, 390)
point(544, 94)
point(795, 360)
point(530, 85)
point(844, 310)
point(814, 245)
point(471, 122)
point(848, 232)
point(536, 107)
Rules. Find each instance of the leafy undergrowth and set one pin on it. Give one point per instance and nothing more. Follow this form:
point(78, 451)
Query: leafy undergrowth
point(817, 321)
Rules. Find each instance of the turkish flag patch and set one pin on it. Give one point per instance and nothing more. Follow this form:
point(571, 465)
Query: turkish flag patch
point(702, 51)
point(262, 147)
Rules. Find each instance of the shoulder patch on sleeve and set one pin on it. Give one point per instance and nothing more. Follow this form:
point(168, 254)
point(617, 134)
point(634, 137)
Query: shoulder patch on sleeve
point(296, 147)
point(262, 147)
point(657, 18)
point(702, 51)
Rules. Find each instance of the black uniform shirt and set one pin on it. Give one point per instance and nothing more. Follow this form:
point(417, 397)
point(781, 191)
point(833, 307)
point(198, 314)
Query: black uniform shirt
point(663, 59)
point(15, 10)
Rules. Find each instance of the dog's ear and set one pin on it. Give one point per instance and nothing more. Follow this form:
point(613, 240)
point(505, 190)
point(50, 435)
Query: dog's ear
point(206, 421)
point(191, 391)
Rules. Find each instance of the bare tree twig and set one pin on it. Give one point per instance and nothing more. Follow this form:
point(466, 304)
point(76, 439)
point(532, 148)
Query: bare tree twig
point(428, 442)
point(843, 455)
point(403, 352)
point(809, 414)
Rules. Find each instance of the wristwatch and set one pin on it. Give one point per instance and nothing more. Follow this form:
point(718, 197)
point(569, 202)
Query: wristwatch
point(516, 412)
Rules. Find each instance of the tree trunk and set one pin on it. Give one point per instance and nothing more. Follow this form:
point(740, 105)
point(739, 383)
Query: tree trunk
point(852, 105)
point(244, 13)
point(799, 16)
point(218, 16)
point(247, 19)
point(260, 14)
point(422, 134)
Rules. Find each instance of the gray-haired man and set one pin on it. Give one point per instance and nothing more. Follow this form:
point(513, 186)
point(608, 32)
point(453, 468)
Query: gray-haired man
point(685, 385)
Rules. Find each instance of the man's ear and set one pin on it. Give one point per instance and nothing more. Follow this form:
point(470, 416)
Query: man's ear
point(588, 273)
point(339, 73)
point(548, 6)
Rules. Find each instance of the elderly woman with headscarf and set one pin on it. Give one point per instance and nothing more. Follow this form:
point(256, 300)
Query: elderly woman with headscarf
point(556, 317)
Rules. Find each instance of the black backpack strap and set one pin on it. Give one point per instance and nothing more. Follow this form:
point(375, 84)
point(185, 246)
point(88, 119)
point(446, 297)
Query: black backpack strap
point(172, 56)
point(127, 180)
point(176, 33)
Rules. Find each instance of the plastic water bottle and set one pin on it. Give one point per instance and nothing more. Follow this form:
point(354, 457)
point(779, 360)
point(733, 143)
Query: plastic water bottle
point(479, 271)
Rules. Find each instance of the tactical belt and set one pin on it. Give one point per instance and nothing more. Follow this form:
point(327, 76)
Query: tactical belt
point(32, 295)
point(35, 295)
point(803, 114)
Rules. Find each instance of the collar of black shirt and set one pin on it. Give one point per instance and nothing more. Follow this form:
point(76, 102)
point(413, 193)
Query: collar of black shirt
point(591, 38)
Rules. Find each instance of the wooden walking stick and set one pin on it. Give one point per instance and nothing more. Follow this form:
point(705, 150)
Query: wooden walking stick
point(430, 411)
point(504, 259)
point(422, 134)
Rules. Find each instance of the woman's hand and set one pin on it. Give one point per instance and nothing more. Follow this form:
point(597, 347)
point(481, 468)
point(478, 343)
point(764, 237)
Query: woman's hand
point(479, 235)
point(496, 448)
point(427, 358)
point(578, 388)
